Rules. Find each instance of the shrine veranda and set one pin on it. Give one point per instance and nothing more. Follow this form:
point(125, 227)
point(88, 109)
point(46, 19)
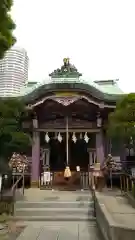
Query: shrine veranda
point(67, 124)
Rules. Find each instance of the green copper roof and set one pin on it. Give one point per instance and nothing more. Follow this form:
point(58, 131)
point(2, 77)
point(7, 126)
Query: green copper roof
point(29, 88)
point(109, 86)
point(68, 78)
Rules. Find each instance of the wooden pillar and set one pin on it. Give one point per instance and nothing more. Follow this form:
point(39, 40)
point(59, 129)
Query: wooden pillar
point(92, 156)
point(100, 147)
point(35, 155)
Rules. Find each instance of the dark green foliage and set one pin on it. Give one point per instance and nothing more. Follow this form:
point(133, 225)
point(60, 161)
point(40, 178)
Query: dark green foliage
point(6, 207)
point(6, 27)
point(12, 136)
point(122, 121)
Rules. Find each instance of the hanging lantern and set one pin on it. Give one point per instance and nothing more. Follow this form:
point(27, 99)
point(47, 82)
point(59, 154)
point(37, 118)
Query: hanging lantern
point(99, 121)
point(86, 138)
point(59, 137)
point(74, 139)
point(47, 139)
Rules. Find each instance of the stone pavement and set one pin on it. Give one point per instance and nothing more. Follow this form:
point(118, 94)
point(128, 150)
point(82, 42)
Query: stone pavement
point(60, 231)
point(122, 213)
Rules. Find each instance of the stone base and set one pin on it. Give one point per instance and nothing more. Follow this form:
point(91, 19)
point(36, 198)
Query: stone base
point(108, 227)
point(34, 184)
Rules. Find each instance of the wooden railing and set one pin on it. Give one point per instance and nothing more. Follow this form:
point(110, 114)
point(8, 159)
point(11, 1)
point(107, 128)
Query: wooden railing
point(83, 180)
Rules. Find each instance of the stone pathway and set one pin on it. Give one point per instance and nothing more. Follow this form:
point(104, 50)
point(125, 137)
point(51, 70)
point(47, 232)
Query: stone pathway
point(10, 231)
point(60, 231)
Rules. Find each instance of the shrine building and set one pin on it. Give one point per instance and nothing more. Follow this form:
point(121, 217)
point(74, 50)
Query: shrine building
point(68, 122)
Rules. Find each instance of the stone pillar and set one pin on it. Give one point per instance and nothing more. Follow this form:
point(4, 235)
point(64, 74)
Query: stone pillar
point(100, 147)
point(123, 156)
point(92, 156)
point(35, 155)
point(46, 160)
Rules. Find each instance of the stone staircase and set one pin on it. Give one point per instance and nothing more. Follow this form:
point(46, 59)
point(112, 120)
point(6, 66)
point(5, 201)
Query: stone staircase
point(81, 209)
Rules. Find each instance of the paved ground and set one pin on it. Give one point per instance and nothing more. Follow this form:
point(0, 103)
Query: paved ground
point(10, 231)
point(60, 231)
point(117, 205)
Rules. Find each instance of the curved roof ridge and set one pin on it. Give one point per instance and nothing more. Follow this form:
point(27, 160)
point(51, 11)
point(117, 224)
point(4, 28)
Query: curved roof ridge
point(42, 89)
point(112, 90)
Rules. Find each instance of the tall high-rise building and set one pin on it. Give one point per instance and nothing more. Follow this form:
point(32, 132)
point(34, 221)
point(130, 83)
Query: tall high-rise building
point(13, 71)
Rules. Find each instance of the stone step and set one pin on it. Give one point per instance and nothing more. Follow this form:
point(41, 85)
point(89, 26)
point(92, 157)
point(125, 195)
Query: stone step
point(54, 204)
point(54, 212)
point(63, 218)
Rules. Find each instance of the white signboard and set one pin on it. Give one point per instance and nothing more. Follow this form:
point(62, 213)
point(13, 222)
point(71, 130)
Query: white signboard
point(78, 168)
point(47, 177)
point(116, 159)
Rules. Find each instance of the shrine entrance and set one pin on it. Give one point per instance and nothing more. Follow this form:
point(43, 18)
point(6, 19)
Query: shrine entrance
point(78, 156)
point(57, 159)
point(68, 127)
point(77, 151)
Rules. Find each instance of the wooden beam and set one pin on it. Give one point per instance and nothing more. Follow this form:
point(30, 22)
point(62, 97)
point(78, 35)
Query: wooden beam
point(70, 130)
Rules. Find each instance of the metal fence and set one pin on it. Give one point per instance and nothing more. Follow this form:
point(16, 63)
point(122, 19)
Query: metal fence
point(127, 183)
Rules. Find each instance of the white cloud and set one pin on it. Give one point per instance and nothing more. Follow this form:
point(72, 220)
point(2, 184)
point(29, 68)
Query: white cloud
point(97, 35)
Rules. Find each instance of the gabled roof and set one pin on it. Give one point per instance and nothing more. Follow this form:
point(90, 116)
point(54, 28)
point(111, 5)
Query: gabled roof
point(68, 78)
point(42, 89)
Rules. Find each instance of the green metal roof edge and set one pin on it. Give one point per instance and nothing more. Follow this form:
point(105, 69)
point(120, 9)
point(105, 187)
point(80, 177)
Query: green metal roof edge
point(89, 89)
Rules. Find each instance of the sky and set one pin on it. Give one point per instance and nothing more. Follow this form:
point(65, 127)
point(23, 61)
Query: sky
point(97, 35)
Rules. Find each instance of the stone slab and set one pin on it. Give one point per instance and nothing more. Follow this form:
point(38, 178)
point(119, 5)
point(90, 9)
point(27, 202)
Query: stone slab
point(115, 217)
point(60, 231)
point(47, 234)
point(60, 196)
point(31, 232)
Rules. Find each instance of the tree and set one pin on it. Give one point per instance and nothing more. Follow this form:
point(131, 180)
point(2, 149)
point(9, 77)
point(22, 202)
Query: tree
point(121, 124)
point(6, 27)
point(12, 136)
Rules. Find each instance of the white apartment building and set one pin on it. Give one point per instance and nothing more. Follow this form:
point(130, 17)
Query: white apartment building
point(13, 71)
